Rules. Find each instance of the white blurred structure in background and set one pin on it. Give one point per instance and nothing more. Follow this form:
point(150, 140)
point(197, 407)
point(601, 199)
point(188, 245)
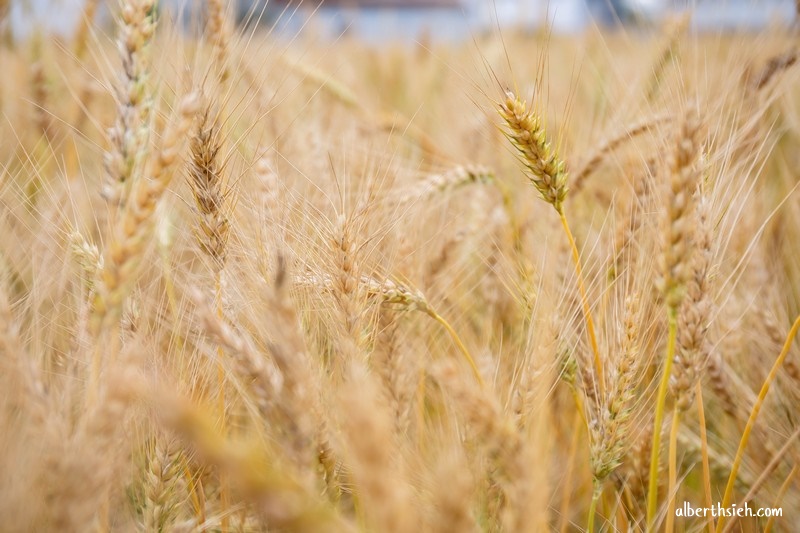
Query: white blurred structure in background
point(382, 20)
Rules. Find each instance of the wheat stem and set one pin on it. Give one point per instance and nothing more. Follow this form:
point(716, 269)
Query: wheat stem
point(457, 340)
point(673, 470)
point(661, 399)
point(578, 419)
point(779, 498)
point(587, 312)
point(751, 421)
point(701, 415)
point(596, 494)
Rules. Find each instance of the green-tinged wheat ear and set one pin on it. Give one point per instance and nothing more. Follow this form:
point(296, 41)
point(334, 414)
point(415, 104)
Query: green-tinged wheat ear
point(526, 131)
point(609, 430)
point(131, 130)
point(134, 227)
point(163, 487)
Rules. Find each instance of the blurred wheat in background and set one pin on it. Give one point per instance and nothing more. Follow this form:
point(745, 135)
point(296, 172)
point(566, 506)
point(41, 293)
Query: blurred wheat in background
point(252, 279)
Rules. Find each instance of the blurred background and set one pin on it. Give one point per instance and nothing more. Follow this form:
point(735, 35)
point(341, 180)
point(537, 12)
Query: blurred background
point(451, 20)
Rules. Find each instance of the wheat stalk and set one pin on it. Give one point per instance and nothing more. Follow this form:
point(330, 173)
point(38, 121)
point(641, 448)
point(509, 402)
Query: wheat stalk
point(674, 271)
point(547, 173)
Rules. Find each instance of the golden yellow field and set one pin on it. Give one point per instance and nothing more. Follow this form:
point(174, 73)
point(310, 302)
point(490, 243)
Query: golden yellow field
point(524, 283)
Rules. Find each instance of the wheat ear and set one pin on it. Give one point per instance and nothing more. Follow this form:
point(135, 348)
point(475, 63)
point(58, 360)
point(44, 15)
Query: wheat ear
point(130, 132)
point(675, 259)
point(547, 172)
point(122, 259)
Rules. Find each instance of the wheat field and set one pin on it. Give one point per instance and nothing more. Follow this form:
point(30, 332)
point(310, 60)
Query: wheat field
point(523, 283)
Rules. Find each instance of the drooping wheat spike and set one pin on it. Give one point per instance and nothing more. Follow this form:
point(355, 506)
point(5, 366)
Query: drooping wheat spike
point(131, 130)
point(547, 172)
point(210, 190)
point(446, 181)
point(399, 296)
point(526, 131)
point(683, 178)
point(592, 163)
point(692, 347)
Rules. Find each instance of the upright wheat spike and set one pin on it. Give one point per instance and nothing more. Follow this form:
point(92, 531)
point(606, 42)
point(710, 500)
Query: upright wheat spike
point(88, 257)
point(692, 346)
point(547, 172)
point(674, 264)
point(209, 187)
point(162, 483)
point(211, 194)
point(218, 33)
point(502, 441)
point(131, 235)
point(131, 129)
point(609, 429)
